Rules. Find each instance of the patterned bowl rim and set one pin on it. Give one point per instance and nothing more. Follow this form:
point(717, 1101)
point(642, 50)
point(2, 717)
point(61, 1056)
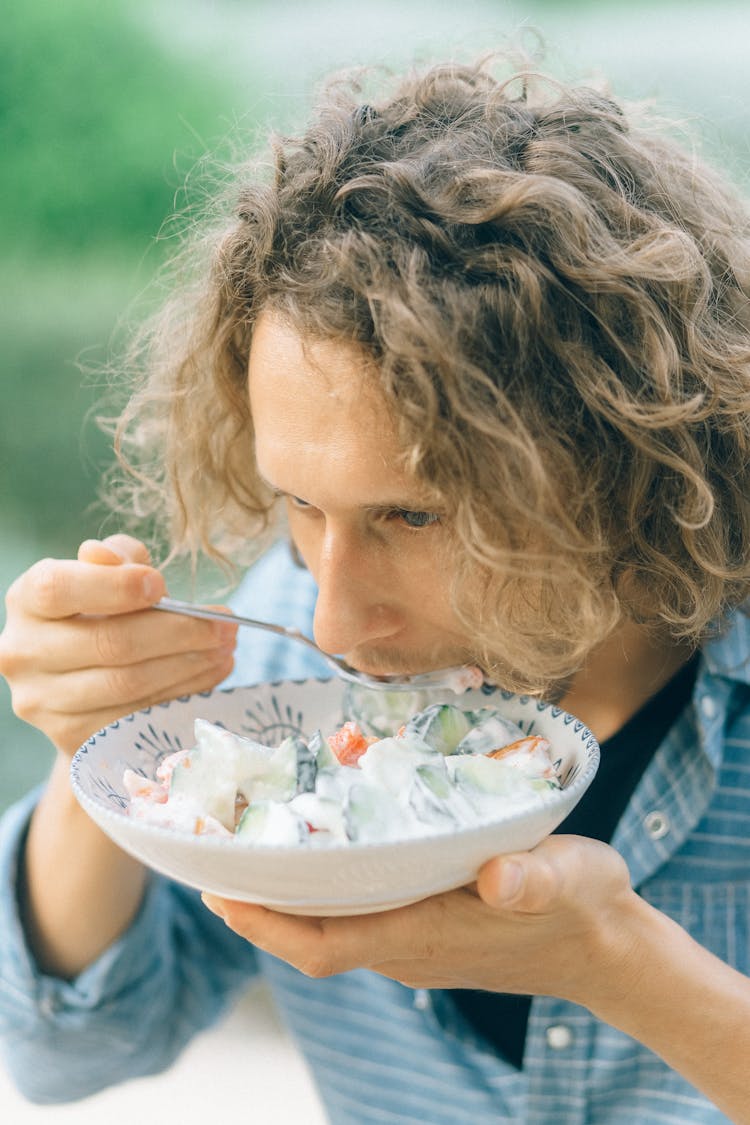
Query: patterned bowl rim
point(207, 843)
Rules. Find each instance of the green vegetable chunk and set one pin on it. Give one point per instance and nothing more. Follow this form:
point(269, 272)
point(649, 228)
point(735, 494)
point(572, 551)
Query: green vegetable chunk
point(441, 726)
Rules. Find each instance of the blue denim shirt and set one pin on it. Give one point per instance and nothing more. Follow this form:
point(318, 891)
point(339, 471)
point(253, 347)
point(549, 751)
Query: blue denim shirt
point(381, 1053)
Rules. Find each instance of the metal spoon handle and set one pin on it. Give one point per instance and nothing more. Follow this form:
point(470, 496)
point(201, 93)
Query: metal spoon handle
point(188, 609)
point(443, 678)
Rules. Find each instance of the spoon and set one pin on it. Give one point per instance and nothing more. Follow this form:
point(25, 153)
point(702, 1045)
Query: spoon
point(454, 679)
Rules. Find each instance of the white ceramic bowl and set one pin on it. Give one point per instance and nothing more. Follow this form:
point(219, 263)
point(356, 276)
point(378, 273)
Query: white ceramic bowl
point(340, 879)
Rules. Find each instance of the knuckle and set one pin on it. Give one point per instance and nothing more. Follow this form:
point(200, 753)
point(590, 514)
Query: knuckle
point(25, 704)
point(48, 584)
point(317, 966)
point(110, 642)
point(213, 675)
point(121, 684)
point(222, 667)
point(68, 733)
point(10, 661)
point(131, 586)
point(129, 580)
point(14, 595)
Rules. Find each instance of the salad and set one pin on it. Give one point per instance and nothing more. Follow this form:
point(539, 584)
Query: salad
point(444, 769)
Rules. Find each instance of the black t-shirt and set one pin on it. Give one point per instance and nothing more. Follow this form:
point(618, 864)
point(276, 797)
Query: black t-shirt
point(501, 1018)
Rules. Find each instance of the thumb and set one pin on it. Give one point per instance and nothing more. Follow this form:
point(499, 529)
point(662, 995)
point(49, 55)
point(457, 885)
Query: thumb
point(526, 882)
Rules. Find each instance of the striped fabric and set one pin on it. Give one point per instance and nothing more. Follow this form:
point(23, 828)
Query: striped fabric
point(381, 1053)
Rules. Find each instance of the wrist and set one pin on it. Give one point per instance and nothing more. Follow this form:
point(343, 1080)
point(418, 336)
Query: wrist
point(630, 943)
point(77, 889)
point(684, 1004)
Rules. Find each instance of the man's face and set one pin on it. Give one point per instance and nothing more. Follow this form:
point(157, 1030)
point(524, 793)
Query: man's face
point(374, 540)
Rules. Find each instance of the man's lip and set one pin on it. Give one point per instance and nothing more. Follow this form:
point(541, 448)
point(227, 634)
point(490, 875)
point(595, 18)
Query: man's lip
point(381, 671)
point(377, 670)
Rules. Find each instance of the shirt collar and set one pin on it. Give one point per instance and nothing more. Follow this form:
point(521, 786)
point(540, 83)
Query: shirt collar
point(680, 781)
point(728, 653)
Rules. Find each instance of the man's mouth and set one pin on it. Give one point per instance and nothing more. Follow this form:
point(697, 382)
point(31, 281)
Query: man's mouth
point(398, 663)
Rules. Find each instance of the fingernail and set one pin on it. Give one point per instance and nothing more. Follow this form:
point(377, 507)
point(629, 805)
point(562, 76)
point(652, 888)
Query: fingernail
point(511, 878)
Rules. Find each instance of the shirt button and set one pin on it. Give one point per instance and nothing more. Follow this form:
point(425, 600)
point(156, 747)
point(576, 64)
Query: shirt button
point(421, 999)
point(656, 824)
point(559, 1037)
point(708, 706)
point(48, 1006)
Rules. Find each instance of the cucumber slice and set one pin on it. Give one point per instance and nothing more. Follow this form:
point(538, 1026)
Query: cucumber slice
point(307, 767)
point(207, 776)
point(372, 816)
point(441, 726)
point(321, 751)
point(490, 731)
point(435, 801)
point(488, 776)
point(277, 780)
point(271, 823)
point(381, 713)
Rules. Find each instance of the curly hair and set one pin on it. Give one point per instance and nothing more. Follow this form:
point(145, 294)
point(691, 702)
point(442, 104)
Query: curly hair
point(557, 299)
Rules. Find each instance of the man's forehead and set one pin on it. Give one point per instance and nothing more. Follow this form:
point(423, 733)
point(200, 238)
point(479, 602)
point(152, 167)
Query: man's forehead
point(338, 368)
point(322, 432)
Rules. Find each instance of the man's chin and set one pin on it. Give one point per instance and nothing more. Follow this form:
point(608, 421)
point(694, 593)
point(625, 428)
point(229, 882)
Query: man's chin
point(508, 679)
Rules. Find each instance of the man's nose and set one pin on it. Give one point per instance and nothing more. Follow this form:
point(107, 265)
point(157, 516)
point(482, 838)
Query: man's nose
point(356, 594)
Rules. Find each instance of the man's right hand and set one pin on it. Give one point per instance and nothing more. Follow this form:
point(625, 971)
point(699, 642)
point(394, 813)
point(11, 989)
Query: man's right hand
point(81, 646)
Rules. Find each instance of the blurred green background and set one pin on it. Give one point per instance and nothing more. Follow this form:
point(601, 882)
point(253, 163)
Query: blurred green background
point(107, 109)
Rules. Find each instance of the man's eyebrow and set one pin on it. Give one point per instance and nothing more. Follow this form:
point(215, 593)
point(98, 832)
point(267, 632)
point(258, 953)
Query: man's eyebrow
point(388, 503)
point(267, 484)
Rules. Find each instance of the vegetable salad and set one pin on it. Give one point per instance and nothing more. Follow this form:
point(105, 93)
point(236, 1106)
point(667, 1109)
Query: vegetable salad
point(446, 768)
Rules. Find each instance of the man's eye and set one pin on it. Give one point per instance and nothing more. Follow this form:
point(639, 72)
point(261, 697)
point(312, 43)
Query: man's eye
point(416, 519)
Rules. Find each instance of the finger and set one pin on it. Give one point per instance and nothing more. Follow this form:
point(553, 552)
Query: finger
point(418, 974)
point(500, 881)
point(68, 732)
point(58, 588)
point(113, 550)
point(288, 936)
point(94, 551)
point(320, 947)
point(534, 882)
point(124, 687)
point(128, 548)
point(117, 641)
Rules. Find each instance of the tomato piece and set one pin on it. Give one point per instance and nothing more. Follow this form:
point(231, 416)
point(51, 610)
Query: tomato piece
point(349, 743)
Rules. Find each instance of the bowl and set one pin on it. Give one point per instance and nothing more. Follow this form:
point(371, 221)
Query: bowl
point(334, 880)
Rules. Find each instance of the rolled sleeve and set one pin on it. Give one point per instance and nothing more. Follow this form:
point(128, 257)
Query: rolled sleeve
point(132, 1010)
point(172, 973)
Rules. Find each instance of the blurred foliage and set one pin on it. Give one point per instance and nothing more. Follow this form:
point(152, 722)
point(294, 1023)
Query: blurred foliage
point(49, 460)
point(100, 124)
point(92, 108)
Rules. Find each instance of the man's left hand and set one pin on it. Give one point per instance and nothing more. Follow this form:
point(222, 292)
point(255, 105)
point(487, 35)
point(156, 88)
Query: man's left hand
point(551, 921)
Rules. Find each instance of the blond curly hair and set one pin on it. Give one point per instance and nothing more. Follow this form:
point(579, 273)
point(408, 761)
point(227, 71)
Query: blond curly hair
point(557, 298)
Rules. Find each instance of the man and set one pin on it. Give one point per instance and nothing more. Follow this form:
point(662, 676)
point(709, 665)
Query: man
point(488, 348)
